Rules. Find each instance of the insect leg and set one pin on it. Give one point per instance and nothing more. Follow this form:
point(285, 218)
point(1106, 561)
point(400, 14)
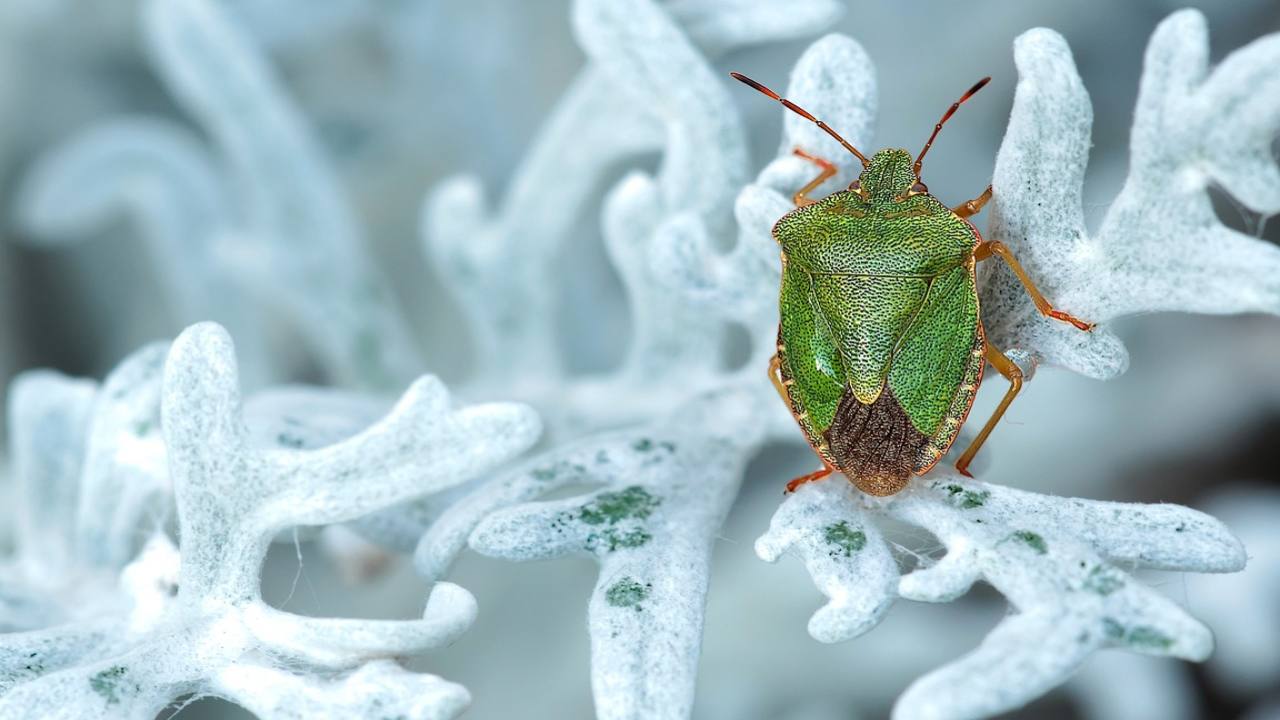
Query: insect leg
point(974, 206)
point(801, 198)
point(775, 376)
point(987, 248)
point(816, 475)
point(1013, 373)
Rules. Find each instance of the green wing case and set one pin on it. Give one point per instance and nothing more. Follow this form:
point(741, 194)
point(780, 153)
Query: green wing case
point(923, 348)
point(809, 355)
point(932, 361)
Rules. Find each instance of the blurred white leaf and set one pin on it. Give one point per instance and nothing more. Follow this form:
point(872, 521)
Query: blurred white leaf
point(1160, 246)
point(195, 621)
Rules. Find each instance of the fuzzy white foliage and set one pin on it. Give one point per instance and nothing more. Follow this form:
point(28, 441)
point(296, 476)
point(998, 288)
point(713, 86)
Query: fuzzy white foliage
point(652, 528)
point(1160, 245)
point(195, 622)
point(258, 217)
point(1061, 615)
point(1058, 561)
point(165, 178)
point(661, 441)
point(670, 476)
point(285, 22)
point(89, 488)
point(646, 87)
point(843, 552)
point(303, 417)
point(46, 453)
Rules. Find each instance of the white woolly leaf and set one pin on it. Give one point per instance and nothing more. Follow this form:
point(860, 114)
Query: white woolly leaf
point(166, 180)
point(49, 416)
point(266, 218)
point(669, 477)
point(1061, 563)
point(379, 688)
point(194, 621)
point(125, 483)
point(645, 85)
point(843, 551)
point(666, 490)
point(1160, 246)
point(92, 486)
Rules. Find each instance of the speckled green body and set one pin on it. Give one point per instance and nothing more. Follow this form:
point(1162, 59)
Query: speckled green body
point(880, 346)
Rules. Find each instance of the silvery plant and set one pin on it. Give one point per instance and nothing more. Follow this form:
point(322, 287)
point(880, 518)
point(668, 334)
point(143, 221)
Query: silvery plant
point(145, 504)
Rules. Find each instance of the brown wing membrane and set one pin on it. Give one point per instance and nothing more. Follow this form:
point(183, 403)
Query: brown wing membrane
point(875, 445)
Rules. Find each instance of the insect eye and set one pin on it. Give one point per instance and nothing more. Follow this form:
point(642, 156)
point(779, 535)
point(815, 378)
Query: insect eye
point(855, 185)
point(919, 187)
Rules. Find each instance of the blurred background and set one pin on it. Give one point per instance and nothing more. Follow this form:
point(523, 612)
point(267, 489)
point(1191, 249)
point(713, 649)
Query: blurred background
point(403, 93)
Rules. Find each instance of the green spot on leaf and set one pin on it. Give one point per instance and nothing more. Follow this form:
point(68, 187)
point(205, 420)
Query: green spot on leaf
point(1139, 636)
point(1103, 580)
point(612, 539)
point(627, 592)
point(616, 516)
point(1148, 637)
point(1033, 540)
point(560, 468)
point(612, 507)
point(642, 445)
point(112, 685)
point(845, 539)
point(967, 499)
point(142, 427)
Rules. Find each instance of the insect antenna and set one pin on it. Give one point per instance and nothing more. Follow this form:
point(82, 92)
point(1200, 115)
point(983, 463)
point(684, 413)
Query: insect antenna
point(947, 116)
point(802, 113)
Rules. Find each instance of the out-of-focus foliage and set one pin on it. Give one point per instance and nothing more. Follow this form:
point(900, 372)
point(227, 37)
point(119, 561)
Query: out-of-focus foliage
point(270, 166)
point(191, 620)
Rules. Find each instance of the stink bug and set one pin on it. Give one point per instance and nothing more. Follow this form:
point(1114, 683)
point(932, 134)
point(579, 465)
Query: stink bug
point(880, 345)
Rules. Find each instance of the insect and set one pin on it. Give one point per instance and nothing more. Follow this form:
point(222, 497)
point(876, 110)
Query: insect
point(880, 346)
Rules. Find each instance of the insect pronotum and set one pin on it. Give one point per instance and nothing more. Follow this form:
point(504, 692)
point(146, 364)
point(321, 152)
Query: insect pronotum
point(880, 346)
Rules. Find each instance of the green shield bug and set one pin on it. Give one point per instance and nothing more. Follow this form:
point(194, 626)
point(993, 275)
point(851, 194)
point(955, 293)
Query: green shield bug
point(880, 345)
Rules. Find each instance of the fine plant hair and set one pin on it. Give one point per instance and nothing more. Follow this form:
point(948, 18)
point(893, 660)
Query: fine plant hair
point(146, 503)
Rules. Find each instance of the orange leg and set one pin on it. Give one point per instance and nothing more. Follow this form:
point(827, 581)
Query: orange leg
point(974, 206)
point(801, 198)
point(1013, 373)
point(987, 248)
point(816, 475)
point(775, 376)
